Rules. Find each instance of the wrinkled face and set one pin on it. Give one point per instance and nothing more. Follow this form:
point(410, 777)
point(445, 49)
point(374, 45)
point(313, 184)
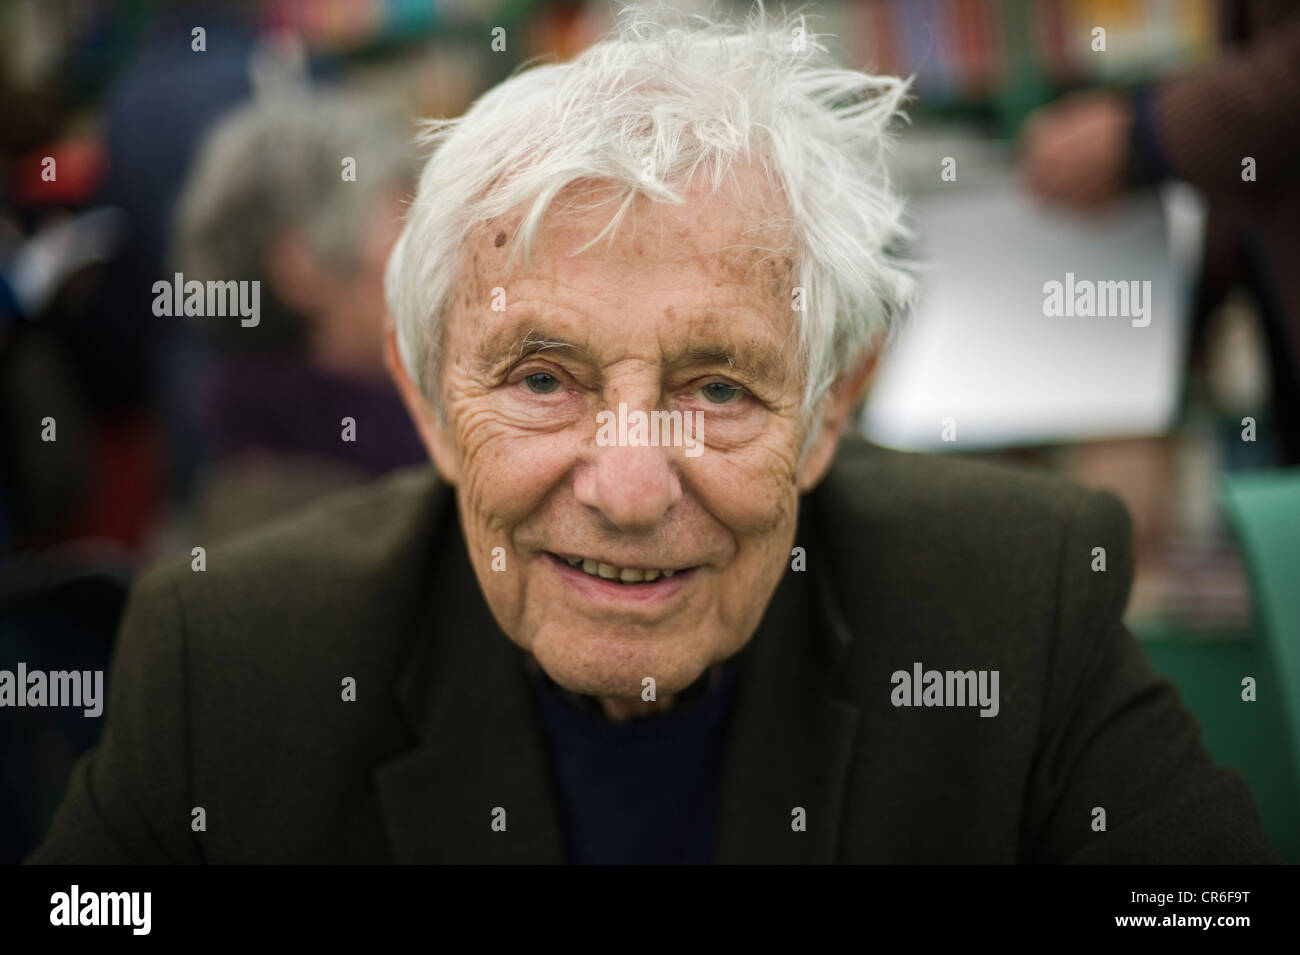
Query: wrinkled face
point(622, 558)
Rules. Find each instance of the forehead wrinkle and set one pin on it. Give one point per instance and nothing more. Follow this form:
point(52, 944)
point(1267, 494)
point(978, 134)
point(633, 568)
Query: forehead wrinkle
point(715, 338)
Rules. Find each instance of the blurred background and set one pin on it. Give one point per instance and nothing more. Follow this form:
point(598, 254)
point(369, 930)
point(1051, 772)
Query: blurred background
point(147, 138)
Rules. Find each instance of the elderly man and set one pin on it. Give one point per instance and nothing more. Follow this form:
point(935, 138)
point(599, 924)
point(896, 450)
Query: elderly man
point(650, 608)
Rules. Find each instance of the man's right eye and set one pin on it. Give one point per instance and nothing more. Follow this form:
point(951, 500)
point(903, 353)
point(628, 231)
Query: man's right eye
point(541, 383)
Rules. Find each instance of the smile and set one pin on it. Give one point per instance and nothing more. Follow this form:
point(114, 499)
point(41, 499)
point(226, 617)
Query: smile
point(612, 585)
point(623, 575)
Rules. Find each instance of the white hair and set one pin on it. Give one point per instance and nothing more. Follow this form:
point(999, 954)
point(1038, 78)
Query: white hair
point(677, 93)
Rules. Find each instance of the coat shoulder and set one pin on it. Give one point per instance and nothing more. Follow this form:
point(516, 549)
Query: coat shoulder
point(929, 499)
point(349, 561)
point(931, 548)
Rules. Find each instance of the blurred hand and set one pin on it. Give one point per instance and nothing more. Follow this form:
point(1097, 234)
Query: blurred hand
point(1074, 152)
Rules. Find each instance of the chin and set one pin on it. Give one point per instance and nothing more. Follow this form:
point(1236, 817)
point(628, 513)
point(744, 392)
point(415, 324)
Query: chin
point(601, 665)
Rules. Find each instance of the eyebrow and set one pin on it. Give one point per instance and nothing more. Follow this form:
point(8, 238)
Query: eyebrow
point(504, 349)
point(749, 361)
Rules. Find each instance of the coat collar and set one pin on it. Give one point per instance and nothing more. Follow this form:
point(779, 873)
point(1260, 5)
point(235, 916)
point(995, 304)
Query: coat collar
point(791, 737)
point(479, 742)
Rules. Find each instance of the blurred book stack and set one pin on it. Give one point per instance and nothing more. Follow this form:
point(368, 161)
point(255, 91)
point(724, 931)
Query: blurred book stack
point(1007, 56)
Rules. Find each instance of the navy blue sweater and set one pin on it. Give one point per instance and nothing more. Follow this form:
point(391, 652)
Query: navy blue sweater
point(643, 791)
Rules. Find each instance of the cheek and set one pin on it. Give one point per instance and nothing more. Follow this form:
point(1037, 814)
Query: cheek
point(505, 474)
point(755, 498)
point(750, 490)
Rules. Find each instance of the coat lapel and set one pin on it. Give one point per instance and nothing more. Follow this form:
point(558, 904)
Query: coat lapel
point(791, 739)
point(479, 743)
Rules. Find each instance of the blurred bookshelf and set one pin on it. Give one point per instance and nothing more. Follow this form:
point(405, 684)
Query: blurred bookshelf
point(999, 59)
point(994, 60)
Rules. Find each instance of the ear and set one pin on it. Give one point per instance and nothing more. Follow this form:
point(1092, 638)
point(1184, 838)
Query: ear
point(836, 406)
point(435, 435)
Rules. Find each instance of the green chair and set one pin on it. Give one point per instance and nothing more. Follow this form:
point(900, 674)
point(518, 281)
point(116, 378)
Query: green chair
point(1265, 511)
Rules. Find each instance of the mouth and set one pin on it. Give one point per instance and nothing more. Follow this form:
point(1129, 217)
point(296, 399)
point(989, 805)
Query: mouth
point(598, 579)
point(621, 575)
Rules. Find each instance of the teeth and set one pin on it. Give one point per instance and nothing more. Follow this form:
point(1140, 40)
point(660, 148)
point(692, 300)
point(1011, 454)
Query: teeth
point(626, 575)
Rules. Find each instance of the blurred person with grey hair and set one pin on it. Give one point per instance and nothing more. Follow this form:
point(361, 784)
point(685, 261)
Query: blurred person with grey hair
point(652, 602)
point(300, 192)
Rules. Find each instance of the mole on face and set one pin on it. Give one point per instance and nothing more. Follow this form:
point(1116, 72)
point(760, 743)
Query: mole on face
point(500, 239)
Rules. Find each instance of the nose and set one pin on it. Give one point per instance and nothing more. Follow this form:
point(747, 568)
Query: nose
point(632, 487)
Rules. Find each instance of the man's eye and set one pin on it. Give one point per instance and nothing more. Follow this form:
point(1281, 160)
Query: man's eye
point(720, 393)
point(541, 383)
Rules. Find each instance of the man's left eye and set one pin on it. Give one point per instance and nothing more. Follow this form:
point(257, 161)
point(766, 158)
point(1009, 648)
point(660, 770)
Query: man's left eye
point(720, 393)
point(541, 383)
